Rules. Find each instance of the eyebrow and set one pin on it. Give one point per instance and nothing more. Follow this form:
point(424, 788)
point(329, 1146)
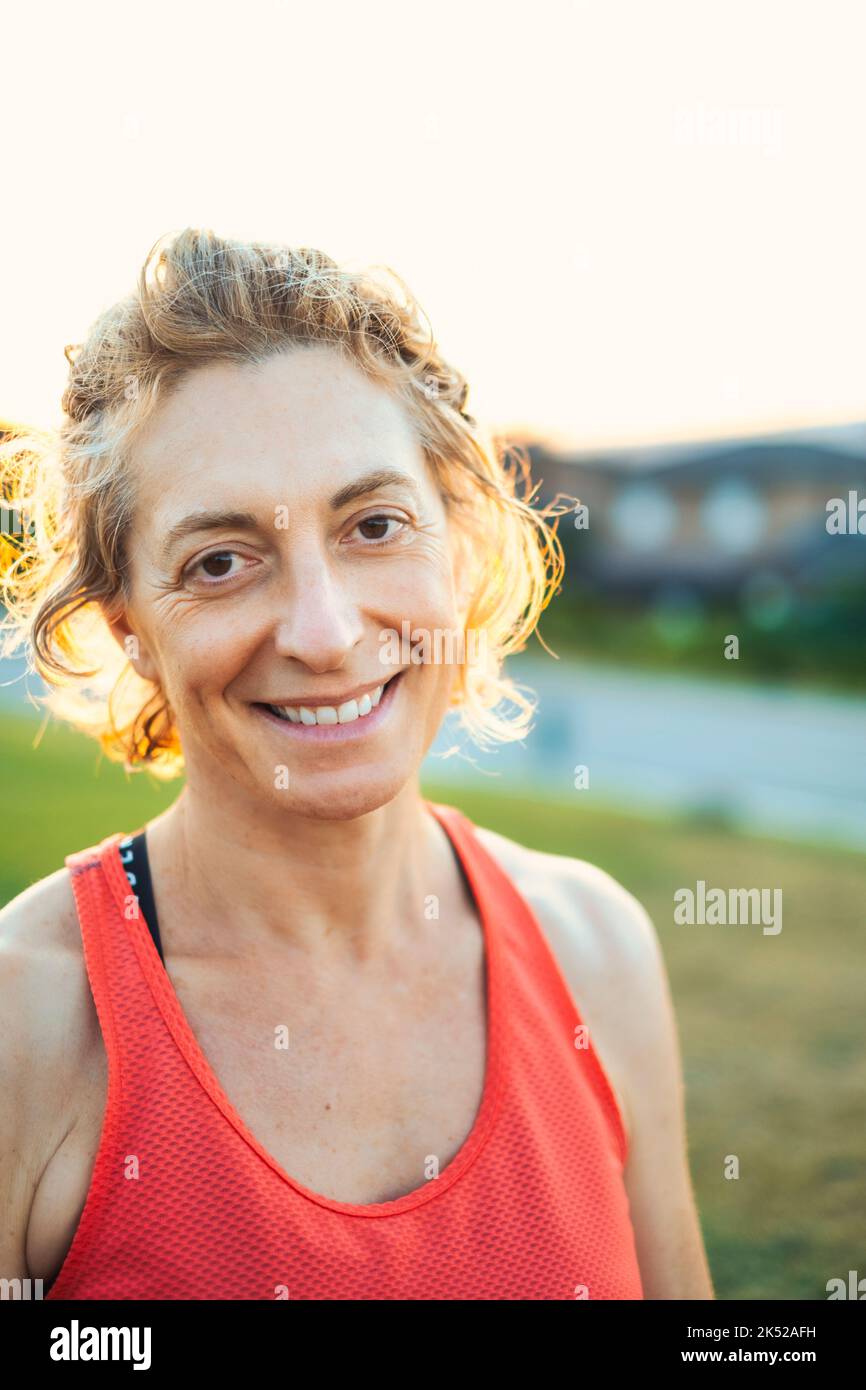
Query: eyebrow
point(195, 522)
point(374, 482)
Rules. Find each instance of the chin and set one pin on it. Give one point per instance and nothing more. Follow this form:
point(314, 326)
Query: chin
point(343, 798)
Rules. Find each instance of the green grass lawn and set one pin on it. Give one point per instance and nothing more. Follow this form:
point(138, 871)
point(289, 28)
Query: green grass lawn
point(771, 1026)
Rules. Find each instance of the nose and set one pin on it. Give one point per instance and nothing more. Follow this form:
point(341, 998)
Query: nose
point(318, 622)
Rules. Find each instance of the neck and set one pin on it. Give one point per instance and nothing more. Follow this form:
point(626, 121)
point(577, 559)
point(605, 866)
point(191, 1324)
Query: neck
point(345, 886)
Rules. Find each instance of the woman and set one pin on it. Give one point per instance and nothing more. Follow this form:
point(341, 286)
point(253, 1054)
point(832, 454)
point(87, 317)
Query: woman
point(370, 1050)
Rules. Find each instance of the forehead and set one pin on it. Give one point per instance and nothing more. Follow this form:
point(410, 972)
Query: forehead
point(305, 416)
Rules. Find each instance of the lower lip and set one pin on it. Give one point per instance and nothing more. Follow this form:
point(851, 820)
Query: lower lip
point(336, 733)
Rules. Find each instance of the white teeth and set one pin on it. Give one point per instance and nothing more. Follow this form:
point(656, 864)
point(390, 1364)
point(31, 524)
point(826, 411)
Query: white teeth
point(327, 714)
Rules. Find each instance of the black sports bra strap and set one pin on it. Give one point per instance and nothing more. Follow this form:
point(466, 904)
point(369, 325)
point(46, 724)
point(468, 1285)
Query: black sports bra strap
point(134, 857)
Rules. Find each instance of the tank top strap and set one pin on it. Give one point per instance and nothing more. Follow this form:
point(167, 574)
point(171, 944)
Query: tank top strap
point(484, 874)
point(522, 944)
point(517, 926)
point(528, 964)
point(120, 956)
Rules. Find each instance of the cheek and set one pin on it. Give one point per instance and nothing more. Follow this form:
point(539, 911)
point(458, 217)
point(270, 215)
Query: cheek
point(424, 593)
point(203, 657)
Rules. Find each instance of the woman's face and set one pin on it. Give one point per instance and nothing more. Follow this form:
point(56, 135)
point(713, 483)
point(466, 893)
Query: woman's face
point(286, 522)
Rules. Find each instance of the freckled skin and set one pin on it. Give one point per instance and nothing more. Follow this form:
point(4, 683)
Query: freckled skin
point(302, 607)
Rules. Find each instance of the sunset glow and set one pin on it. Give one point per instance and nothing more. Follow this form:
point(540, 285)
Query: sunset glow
point(626, 222)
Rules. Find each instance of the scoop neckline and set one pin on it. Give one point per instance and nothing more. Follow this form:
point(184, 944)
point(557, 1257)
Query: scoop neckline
point(456, 827)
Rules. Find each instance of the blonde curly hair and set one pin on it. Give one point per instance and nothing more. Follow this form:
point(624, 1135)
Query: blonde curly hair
point(202, 298)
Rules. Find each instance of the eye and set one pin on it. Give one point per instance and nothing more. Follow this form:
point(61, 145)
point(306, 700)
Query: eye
point(374, 528)
point(216, 563)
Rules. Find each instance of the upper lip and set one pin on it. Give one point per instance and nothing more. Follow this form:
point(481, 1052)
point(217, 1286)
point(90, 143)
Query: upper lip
point(322, 701)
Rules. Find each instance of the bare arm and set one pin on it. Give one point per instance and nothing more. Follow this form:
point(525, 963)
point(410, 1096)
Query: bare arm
point(667, 1229)
point(41, 1038)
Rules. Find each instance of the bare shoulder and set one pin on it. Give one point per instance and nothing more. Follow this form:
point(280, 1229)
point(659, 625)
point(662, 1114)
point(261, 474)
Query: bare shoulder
point(583, 905)
point(603, 938)
point(39, 935)
point(610, 956)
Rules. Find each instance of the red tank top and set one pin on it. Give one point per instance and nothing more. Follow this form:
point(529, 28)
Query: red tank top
point(533, 1206)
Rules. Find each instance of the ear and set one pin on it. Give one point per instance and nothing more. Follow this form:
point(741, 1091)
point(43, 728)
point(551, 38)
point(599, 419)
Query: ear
point(129, 640)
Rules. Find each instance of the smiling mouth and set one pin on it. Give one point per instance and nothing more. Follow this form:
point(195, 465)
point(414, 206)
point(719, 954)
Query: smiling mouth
point(355, 712)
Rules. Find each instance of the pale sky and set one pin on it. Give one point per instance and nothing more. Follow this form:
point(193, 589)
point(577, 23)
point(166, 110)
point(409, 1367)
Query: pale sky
point(627, 222)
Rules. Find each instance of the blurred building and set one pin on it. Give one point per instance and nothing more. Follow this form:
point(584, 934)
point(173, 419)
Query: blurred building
point(712, 518)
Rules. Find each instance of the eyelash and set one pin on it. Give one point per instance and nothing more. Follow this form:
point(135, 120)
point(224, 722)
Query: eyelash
point(369, 545)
